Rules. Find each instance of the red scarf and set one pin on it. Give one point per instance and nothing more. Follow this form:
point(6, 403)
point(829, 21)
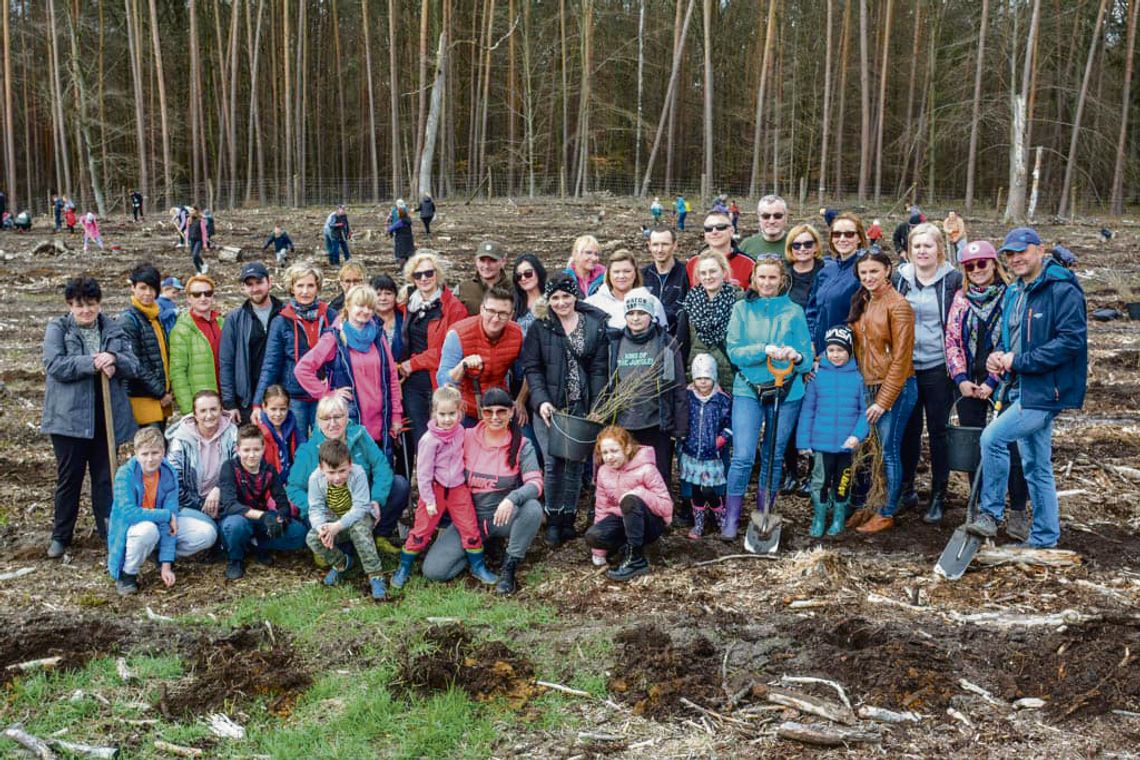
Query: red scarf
point(209, 328)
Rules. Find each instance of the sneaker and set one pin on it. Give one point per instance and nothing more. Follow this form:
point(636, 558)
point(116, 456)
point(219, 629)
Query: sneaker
point(376, 588)
point(56, 550)
point(205, 269)
point(1017, 524)
point(983, 525)
point(1028, 545)
point(127, 584)
point(384, 545)
point(334, 575)
point(234, 569)
point(599, 557)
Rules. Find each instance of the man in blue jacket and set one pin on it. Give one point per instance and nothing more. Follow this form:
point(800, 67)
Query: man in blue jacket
point(1044, 362)
point(245, 333)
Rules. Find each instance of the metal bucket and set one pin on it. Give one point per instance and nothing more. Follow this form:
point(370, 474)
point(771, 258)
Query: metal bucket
point(963, 443)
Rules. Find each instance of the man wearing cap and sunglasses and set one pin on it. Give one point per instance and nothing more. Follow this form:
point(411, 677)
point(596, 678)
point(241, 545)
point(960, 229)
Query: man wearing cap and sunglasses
point(245, 333)
point(1043, 360)
point(489, 273)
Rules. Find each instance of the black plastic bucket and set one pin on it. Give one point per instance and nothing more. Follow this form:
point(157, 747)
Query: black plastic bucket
point(573, 438)
point(963, 444)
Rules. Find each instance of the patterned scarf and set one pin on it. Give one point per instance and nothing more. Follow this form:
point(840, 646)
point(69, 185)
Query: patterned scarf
point(710, 317)
point(983, 313)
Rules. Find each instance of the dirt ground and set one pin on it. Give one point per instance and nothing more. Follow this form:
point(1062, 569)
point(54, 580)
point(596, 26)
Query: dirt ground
point(698, 644)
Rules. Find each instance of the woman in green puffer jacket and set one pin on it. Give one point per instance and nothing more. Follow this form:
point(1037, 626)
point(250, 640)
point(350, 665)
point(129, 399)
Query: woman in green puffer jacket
point(194, 344)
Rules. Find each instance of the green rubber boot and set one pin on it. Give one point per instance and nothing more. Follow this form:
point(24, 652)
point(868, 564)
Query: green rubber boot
point(838, 517)
point(819, 516)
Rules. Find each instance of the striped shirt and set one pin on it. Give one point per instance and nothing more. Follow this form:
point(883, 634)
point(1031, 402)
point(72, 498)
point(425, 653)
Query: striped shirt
point(339, 499)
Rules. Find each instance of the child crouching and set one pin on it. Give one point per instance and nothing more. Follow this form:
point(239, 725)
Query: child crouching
point(145, 514)
point(442, 483)
point(833, 422)
point(702, 463)
point(339, 511)
point(254, 506)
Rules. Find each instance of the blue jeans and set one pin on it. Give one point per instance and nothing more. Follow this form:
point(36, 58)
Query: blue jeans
point(748, 415)
point(1032, 429)
point(391, 510)
point(334, 247)
point(681, 219)
point(890, 428)
point(238, 530)
point(306, 414)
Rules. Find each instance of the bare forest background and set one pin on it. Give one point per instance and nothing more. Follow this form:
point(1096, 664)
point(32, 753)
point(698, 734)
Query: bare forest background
point(226, 103)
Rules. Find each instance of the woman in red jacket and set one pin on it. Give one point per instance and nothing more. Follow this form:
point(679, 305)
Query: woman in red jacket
point(632, 505)
point(431, 310)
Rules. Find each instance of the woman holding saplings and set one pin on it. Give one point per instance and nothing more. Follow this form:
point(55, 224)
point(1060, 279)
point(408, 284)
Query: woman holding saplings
point(767, 329)
point(565, 362)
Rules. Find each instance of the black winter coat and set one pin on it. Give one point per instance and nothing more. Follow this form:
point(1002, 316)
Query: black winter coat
point(543, 359)
point(150, 381)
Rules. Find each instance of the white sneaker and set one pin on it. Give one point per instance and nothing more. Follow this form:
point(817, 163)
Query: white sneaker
point(205, 268)
point(599, 560)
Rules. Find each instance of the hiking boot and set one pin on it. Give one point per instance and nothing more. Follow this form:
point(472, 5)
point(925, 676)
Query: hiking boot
point(263, 558)
point(404, 571)
point(56, 550)
point(983, 525)
point(479, 569)
point(876, 524)
point(838, 517)
point(127, 584)
point(377, 588)
point(553, 534)
point(732, 505)
point(788, 485)
point(933, 514)
point(334, 575)
point(632, 566)
point(861, 516)
point(566, 530)
point(235, 570)
point(909, 498)
point(384, 545)
point(819, 517)
point(1017, 524)
point(507, 584)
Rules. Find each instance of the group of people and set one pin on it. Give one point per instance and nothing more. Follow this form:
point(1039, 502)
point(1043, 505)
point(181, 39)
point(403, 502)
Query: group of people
point(304, 421)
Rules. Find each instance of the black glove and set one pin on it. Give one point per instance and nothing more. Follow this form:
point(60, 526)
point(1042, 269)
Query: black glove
point(273, 523)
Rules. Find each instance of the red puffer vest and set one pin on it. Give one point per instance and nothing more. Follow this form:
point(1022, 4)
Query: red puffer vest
point(498, 356)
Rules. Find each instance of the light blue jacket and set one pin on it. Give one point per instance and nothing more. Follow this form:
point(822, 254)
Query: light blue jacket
point(757, 323)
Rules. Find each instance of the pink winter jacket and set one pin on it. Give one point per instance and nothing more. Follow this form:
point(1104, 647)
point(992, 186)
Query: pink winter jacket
point(439, 459)
point(639, 477)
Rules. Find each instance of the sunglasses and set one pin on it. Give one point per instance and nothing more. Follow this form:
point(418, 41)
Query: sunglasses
point(770, 257)
point(980, 265)
point(849, 234)
point(526, 274)
point(201, 294)
point(426, 274)
point(496, 411)
point(767, 215)
point(717, 227)
point(806, 246)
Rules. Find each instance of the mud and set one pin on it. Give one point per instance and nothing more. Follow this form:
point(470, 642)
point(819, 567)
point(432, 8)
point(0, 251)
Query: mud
point(451, 657)
point(247, 664)
point(653, 672)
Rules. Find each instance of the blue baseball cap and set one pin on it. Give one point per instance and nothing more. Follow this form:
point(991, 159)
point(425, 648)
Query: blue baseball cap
point(1021, 238)
point(173, 282)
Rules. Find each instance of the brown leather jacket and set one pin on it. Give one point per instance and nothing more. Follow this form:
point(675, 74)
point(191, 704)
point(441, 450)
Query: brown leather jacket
point(884, 345)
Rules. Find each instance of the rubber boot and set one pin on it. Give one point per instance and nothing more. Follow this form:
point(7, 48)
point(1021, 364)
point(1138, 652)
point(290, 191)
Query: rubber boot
point(732, 505)
point(634, 565)
point(909, 498)
point(507, 584)
point(566, 530)
point(718, 513)
point(553, 535)
point(479, 569)
point(838, 517)
point(819, 516)
point(700, 511)
point(933, 514)
point(404, 571)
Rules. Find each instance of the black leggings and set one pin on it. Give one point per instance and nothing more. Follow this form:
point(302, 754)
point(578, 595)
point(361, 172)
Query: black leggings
point(662, 444)
point(637, 527)
point(935, 395)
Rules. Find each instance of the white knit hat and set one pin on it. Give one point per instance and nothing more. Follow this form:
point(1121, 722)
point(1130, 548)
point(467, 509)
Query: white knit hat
point(704, 366)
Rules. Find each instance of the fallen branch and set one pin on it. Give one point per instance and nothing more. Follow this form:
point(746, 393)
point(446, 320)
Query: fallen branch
point(1007, 555)
point(809, 679)
point(874, 598)
point(33, 744)
point(712, 713)
point(825, 736)
point(812, 705)
point(17, 574)
point(86, 750)
point(47, 663)
point(958, 716)
point(883, 715)
point(973, 688)
point(1006, 620)
point(176, 749)
point(221, 726)
point(589, 736)
point(563, 689)
point(727, 557)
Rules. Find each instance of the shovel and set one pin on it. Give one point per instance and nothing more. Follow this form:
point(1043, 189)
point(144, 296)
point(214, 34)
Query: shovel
point(763, 534)
point(963, 545)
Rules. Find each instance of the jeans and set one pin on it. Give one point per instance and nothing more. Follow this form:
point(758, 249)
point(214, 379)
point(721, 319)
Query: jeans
point(748, 416)
point(972, 412)
point(196, 532)
point(334, 246)
point(447, 558)
point(306, 414)
point(392, 510)
point(196, 255)
point(239, 530)
point(1032, 429)
point(890, 429)
point(681, 220)
point(935, 395)
point(562, 478)
point(637, 527)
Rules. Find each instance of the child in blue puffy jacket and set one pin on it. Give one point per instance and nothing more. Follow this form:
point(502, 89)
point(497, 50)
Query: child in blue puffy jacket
point(702, 463)
point(833, 422)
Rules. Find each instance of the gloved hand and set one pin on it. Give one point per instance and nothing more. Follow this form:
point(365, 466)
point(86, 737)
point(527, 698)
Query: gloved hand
point(273, 523)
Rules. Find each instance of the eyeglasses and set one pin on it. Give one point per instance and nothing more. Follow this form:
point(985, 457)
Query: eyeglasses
point(351, 283)
point(332, 417)
point(980, 265)
point(426, 274)
point(849, 234)
point(526, 274)
point(500, 315)
point(201, 294)
point(769, 257)
point(805, 246)
point(496, 411)
point(777, 215)
point(717, 227)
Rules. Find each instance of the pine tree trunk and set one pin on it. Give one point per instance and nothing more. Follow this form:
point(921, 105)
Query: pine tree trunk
point(708, 182)
point(669, 95)
point(373, 153)
point(581, 181)
point(431, 127)
point(1071, 164)
point(976, 112)
point(564, 157)
point(1121, 143)
point(287, 100)
point(882, 104)
point(864, 104)
point(421, 113)
point(63, 163)
point(393, 98)
point(253, 128)
point(160, 80)
point(512, 105)
point(137, 89)
point(671, 99)
point(9, 123)
point(231, 140)
point(529, 116)
point(84, 123)
point(341, 113)
point(640, 89)
point(757, 145)
point(842, 110)
point(301, 102)
point(485, 98)
point(826, 106)
point(1019, 149)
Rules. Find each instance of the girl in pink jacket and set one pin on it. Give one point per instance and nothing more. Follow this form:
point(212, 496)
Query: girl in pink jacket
point(442, 480)
point(91, 231)
point(632, 505)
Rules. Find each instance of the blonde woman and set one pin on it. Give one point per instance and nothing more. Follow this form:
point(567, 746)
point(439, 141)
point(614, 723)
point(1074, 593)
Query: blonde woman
point(585, 264)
